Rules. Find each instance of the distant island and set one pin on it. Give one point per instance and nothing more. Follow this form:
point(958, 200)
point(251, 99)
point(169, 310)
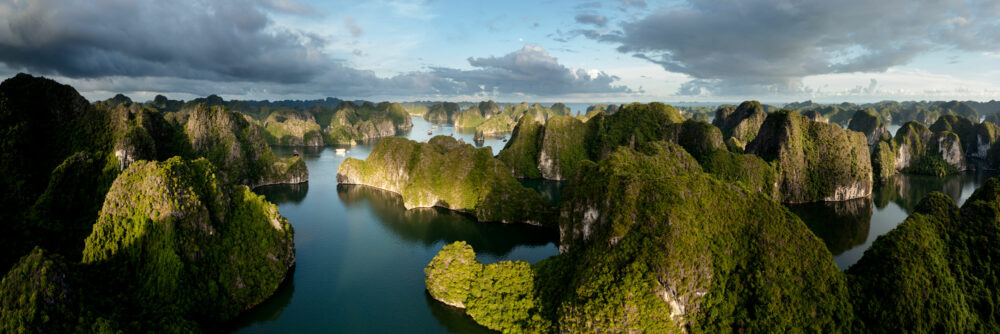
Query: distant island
point(123, 216)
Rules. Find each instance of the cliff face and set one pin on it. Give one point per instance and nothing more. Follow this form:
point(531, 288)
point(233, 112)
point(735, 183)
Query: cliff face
point(351, 124)
point(870, 124)
point(172, 235)
point(520, 154)
point(292, 128)
point(442, 112)
point(562, 147)
point(238, 148)
point(815, 161)
point(649, 243)
point(741, 122)
point(448, 174)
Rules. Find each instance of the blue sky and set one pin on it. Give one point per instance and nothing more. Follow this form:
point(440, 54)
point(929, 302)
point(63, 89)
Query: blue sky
point(546, 51)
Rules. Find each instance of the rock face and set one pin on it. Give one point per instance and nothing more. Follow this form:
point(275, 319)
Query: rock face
point(238, 148)
point(936, 270)
point(449, 174)
point(741, 122)
point(870, 124)
point(171, 235)
point(520, 154)
point(562, 147)
point(815, 161)
point(288, 127)
point(649, 243)
point(917, 150)
point(442, 112)
point(351, 124)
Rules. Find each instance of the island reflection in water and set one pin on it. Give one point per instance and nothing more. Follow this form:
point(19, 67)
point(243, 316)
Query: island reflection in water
point(848, 228)
point(360, 254)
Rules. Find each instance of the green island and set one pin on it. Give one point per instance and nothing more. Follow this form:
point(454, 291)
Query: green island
point(113, 207)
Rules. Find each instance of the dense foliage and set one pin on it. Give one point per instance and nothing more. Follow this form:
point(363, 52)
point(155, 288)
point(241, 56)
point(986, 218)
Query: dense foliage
point(449, 174)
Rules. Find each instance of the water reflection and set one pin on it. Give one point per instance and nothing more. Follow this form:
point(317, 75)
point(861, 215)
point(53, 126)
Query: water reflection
point(551, 190)
point(454, 319)
point(284, 193)
point(841, 225)
point(428, 226)
point(849, 228)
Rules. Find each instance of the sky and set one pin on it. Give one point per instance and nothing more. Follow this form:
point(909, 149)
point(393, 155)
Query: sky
point(511, 51)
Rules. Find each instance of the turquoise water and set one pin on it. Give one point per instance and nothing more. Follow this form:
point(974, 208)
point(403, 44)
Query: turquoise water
point(360, 255)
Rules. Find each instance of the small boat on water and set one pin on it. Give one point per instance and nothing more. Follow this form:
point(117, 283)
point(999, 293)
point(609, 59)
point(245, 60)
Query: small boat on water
point(340, 151)
point(434, 126)
point(429, 133)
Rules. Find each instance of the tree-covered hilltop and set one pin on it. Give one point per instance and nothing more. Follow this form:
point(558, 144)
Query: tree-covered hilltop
point(238, 148)
point(175, 248)
point(815, 161)
point(649, 243)
point(66, 164)
point(350, 124)
point(741, 122)
point(447, 173)
point(935, 272)
point(898, 113)
point(290, 127)
point(556, 149)
point(868, 122)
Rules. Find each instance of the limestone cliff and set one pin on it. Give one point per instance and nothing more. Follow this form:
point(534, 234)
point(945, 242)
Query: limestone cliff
point(741, 122)
point(651, 244)
point(870, 124)
point(448, 174)
point(815, 161)
point(238, 148)
point(562, 147)
point(351, 124)
point(289, 127)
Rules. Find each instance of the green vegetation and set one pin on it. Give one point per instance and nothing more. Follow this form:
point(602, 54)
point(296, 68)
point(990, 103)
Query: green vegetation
point(741, 122)
point(868, 122)
point(351, 124)
point(176, 246)
point(633, 125)
point(448, 174)
point(935, 271)
point(442, 112)
point(452, 273)
point(289, 127)
point(651, 244)
point(521, 152)
point(238, 148)
point(562, 147)
point(815, 161)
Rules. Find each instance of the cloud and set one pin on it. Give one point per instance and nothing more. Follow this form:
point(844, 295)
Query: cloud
point(634, 3)
point(597, 20)
point(763, 46)
point(353, 27)
point(191, 39)
point(529, 70)
point(233, 47)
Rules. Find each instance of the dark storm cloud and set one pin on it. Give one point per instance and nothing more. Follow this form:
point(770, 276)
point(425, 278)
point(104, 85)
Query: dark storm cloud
point(597, 20)
point(530, 69)
point(770, 45)
point(215, 40)
point(229, 47)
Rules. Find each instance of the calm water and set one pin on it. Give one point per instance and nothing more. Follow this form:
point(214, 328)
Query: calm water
point(848, 228)
point(360, 254)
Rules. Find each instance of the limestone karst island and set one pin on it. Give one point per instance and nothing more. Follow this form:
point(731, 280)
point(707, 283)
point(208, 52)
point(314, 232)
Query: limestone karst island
point(445, 166)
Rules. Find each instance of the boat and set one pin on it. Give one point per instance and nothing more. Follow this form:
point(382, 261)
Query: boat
point(340, 151)
point(429, 133)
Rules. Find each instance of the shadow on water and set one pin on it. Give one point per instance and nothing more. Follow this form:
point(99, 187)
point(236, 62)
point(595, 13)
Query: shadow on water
point(428, 226)
point(284, 193)
point(848, 228)
point(269, 310)
point(453, 319)
point(841, 225)
point(549, 189)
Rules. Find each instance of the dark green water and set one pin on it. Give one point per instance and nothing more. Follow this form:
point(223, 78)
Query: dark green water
point(848, 228)
point(360, 255)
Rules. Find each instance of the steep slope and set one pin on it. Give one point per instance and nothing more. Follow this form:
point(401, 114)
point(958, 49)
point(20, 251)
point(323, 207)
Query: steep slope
point(741, 122)
point(815, 161)
point(651, 244)
point(449, 174)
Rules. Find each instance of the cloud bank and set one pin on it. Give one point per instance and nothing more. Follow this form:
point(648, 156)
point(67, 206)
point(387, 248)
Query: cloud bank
point(236, 47)
point(744, 47)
